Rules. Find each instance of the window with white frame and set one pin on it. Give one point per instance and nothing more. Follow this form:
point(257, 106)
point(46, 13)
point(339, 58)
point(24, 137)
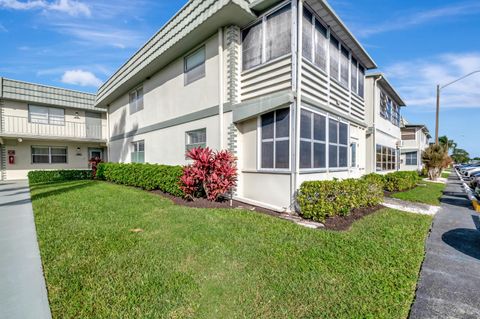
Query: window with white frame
point(196, 138)
point(344, 67)
point(411, 158)
point(136, 100)
point(314, 40)
point(46, 115)
point(313, 149)
point(334, 57)
point(354, 76)
point(338, 144)
point(353, 154)
point(361, 81)
point(386, 158)
point(138, 152)
point(267, 39)
point(49, 155)
point(194, 66)
point(275, 140)
point(409, 134)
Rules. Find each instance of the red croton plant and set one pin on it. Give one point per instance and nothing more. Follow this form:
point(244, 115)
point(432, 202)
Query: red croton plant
point(94, 161)
point(212, 174)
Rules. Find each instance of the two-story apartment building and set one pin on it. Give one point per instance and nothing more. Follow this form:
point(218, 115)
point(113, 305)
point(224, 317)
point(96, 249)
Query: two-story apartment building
point(383, 117)
point(43, 127)
point(415, 139)
point(279, 83)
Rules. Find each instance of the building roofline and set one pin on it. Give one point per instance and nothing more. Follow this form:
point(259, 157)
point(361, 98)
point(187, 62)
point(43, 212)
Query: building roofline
point(388, 86)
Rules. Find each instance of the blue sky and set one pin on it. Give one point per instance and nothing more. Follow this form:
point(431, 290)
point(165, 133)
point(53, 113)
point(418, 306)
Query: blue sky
point(417, 44)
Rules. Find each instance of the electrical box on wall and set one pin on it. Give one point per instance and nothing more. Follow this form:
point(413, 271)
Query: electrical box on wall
point(11, 157)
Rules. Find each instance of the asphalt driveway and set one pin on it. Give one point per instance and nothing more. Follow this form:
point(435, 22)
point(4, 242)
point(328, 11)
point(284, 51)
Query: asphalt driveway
point(23, 294)
point(449, 285)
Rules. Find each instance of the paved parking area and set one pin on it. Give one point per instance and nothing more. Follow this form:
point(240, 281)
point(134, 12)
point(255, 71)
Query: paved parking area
point(23, 294)
point(449, 285)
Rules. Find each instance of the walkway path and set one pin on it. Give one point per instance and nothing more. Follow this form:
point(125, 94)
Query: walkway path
point(449, 285)
point(23, 294)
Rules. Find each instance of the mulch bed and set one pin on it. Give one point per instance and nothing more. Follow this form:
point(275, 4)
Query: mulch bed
point(338, 223)
point(341, 223)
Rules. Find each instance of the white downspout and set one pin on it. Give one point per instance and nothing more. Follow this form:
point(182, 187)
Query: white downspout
point(220, 86)
point(374, 161)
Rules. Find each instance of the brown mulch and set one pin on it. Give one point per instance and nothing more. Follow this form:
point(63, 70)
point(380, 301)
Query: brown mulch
point(341, 223)
point(338, 223)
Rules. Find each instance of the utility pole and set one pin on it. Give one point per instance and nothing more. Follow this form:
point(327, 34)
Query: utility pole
point(438, 115)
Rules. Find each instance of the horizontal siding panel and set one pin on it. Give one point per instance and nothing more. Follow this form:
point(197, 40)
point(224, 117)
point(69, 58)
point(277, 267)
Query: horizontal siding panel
point(264, 80)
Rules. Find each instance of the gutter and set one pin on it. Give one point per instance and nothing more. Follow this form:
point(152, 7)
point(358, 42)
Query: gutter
point(374, 157)
point(220, 86)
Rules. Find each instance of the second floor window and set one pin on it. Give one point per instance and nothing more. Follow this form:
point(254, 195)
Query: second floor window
point(138, 152)
point(267, 39)
point(136, 100)
point(195, 66)
point(409, 134)
point(314, 40)
point(46, 115)
point(334, 58)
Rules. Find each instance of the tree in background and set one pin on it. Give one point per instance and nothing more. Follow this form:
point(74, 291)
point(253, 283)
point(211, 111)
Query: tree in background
point(446, 143)
point(460, 156)
point(434, 159)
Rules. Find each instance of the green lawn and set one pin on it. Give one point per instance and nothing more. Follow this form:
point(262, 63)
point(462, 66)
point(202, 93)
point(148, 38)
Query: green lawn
point(446, 174)
point(429, 194)
point(213, 263)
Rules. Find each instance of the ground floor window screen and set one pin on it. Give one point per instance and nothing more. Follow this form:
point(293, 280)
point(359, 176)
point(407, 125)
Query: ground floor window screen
point(386, 158)
point(411, 158)
point(196, 138)
point(138, 152)
point(314, 148)
point(49, 155)
point(275, 140)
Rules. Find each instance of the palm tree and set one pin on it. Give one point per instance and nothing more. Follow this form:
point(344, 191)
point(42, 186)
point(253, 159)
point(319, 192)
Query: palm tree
point(446, 143)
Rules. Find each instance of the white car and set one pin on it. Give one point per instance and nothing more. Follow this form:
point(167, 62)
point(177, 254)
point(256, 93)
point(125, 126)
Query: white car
point(469, 172)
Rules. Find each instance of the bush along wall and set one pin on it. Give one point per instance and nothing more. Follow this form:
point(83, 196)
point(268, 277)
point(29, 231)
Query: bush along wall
point(58, 175)
point(147, 176)
point(319, 200)
point(394, 182)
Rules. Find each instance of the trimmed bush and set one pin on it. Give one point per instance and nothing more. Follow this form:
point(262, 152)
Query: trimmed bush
point(375, 178)
point(58, 175)
point(319, 200)
point(400, 181)
point(147, 176)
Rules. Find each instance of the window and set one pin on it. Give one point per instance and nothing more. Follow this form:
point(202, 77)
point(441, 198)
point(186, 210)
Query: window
point(46, 115)
point(197, 138)
point(313, 152)
point(267, 39)
point(409, 134)
point(383, 105)
point(396, 114)
point(194, 65)
point(353, 154)
point(49, 155)
point(344, 67)
point(411, 158)
point(314, 41)
point(334, 58)
point(136, 100)
point(389, 109)
point(361, 81)
point(338, 144)
point(386, 158)
point(138, 152)
point(275, 141)
point(354, 76)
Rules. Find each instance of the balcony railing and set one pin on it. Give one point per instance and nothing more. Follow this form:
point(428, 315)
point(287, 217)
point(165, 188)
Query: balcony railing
point(19, 125)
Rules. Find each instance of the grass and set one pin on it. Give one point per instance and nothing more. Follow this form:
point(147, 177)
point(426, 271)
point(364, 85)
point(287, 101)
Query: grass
point(429, 194)
point(446, 174)
point(214, 263)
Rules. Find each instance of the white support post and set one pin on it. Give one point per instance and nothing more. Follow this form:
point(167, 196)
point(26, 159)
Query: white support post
point(220, 87)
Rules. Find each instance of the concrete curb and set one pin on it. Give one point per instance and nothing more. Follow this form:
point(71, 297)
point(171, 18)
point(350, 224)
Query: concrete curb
point(470, 193)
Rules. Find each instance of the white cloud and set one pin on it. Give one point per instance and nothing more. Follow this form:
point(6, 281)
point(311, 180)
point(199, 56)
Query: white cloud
point(81, 77)
point(416, 81)
point(70, 7)
point(406, 21)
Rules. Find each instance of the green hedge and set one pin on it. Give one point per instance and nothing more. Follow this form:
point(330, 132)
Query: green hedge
point(319, 200)
point(58, 175)
point(396, 181)
point(147, 176)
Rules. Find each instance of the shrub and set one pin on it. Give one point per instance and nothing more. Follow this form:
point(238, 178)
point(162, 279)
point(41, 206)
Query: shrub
point(212, 174)
point(58, 175)
point(375, 178)
point(319, 200)
point(400, 181)
point(147, 176)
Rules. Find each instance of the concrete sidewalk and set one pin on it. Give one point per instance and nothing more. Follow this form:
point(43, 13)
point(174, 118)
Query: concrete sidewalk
point(449, 285)
point(22, 287)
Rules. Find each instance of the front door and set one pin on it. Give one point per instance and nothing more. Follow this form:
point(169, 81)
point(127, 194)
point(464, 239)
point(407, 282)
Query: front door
point(93, 122)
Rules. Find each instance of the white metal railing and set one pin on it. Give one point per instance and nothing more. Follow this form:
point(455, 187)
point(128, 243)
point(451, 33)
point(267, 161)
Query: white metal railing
point(22, 126)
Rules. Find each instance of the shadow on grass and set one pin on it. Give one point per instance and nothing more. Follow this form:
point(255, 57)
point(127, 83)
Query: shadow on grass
point(58, 190)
